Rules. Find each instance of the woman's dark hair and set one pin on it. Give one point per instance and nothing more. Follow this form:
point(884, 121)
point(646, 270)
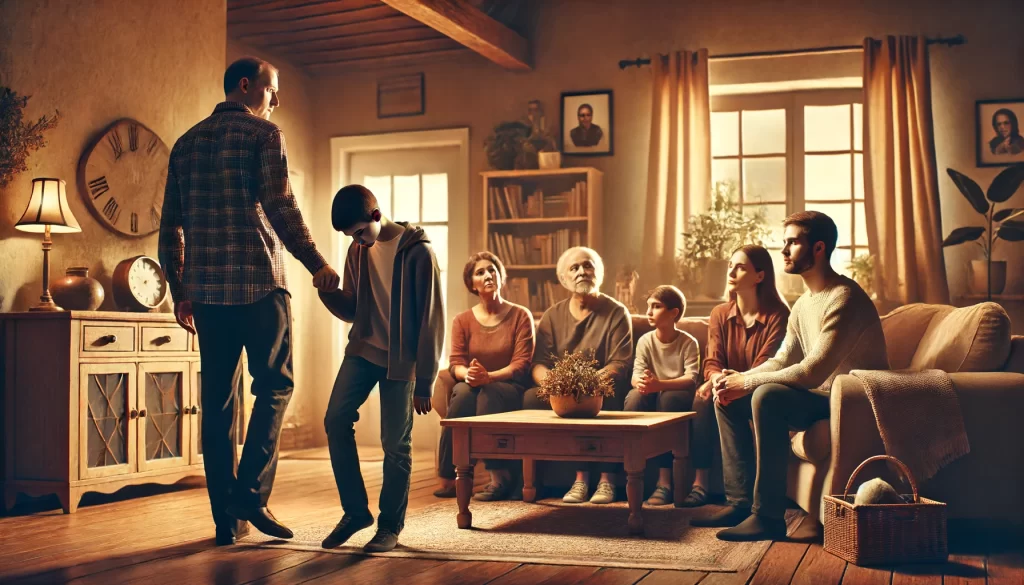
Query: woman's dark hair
point(467, 272)
point(352, 204)
point(671, 297)
point(768, 296)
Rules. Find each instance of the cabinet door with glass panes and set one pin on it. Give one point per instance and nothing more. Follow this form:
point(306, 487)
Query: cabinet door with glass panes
point(107, 414)
point(775, 154)
point(165, 415)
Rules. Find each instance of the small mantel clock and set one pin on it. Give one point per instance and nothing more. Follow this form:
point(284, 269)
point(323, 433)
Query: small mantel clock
point(122, 176)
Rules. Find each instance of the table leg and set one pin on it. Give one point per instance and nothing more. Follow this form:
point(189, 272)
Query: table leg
point(529, 477)
point(680, 461)
point(463, 475)
point(635, 496)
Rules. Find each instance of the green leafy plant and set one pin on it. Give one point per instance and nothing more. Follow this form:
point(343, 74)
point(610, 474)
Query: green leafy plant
point(862, 270)
point(1006, 224)
point(576, 374)
point(18, 139)
point(714, 234)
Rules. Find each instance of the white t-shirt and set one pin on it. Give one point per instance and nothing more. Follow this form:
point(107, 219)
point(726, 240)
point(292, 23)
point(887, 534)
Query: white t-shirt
point(382, 266)
point(668, 361)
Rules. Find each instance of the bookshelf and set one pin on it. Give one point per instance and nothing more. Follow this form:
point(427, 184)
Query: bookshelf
point(531, 217)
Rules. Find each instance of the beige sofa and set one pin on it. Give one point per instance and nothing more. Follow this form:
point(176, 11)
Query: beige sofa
point(987, 368)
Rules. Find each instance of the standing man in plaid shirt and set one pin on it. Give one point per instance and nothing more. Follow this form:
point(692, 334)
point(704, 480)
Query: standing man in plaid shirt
point(228, 215)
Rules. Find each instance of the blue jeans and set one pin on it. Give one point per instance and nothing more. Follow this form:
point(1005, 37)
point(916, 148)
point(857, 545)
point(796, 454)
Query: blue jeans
point(356, 378)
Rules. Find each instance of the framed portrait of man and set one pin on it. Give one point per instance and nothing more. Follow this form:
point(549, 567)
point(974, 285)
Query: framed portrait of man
point(997, 132)
point(587, 123)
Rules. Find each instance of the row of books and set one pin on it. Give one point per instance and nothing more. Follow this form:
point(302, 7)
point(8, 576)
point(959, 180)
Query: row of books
point(537, 296)
point(508, 202)
point(535, 249)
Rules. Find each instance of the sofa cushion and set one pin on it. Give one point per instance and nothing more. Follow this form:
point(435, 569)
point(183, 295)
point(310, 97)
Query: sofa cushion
point(815, 444)
point(968, 339)
point(903, 329)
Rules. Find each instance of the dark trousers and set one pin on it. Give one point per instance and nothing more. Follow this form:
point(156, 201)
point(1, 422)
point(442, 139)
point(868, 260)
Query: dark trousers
point(703, 429)
point(759, 473)
point(531, 402)
point(263, 328)
point(356, 379)
point(468, 401)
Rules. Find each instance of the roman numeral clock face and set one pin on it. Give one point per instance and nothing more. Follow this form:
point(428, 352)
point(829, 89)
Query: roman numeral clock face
point(122, 176)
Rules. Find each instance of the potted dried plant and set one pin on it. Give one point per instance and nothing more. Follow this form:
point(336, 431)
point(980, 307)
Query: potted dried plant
point(18, 139)
point(1006, 224)
point(575, 387)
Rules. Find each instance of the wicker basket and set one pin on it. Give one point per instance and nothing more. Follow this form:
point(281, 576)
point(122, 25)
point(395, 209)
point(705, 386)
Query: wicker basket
point(880, 534)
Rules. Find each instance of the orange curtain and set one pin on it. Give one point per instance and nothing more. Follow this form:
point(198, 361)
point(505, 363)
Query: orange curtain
point(900, 177)
point(679, 168)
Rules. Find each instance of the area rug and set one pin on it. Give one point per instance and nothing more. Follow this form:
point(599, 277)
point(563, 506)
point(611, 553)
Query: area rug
point(549, 532)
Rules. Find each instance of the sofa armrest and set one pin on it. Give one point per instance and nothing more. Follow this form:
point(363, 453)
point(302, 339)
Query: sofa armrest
point(1015, 363)
point(855, 434)
point(442, 392)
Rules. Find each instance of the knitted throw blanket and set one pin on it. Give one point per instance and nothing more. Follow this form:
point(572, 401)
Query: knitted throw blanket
point(918, 416)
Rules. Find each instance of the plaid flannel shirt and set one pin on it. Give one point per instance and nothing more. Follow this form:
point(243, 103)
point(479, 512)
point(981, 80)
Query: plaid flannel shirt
point(228, 206)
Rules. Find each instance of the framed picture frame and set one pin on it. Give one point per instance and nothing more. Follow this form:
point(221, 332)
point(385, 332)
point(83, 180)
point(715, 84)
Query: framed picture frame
point(587, 123)
point(997, 130)
point(401, 95)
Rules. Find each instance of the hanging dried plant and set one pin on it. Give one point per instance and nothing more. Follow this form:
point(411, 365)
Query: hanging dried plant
point(575, 374)
point(18, 139)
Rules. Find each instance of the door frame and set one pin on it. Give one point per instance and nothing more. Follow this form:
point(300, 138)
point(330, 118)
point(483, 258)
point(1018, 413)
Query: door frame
point(342, 149)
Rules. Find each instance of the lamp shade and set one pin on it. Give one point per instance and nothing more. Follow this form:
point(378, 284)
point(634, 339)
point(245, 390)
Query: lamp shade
point(48, 207)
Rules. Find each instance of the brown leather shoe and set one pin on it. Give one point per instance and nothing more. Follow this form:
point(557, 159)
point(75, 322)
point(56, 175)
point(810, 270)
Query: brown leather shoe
point(262, 519)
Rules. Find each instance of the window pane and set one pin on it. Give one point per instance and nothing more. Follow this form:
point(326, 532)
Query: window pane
point(725, 171)
point(438, 235)
point(790, 285)
point(827, 176)
point(841, 213)
point(858, 127)
point(858, 176)
point(841, 258)
point(435, 197)
point(725, 133)
point(860, 236)
point(764, 179)
point(381, 189)
point(407, 198)
point(827, 127)
point(764, 131)
point(774, 214)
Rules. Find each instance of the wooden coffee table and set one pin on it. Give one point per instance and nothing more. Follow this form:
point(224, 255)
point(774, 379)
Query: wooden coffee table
point(627, 437)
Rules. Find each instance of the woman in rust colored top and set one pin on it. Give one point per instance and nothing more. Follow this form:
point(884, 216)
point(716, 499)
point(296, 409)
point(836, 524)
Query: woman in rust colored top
point(745, 331)
point(491, 352)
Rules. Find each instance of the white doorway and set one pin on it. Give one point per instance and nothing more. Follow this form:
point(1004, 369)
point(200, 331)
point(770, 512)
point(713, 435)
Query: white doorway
point(421, 178)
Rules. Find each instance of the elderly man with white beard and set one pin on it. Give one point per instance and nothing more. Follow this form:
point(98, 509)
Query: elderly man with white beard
point(591, 320)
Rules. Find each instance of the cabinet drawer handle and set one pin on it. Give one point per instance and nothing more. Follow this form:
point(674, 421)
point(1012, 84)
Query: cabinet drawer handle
point(162, 340)
point(133, 414)
point(142, 413)
point(502, 443)
point(195, 409)
point(108, 339)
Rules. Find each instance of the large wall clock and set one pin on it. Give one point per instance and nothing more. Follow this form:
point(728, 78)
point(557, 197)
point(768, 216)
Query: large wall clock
point(122, 176)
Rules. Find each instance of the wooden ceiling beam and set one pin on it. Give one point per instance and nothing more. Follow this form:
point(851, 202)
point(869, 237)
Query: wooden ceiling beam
point(388, 50)
point(261, 28)
point(285, 40)
point(376, 63)
point(292, 11)
point(463, 22)
point(420, 33)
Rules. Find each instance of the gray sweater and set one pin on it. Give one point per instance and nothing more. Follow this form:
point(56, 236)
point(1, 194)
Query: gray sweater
point(829, 333)
point(607, 330)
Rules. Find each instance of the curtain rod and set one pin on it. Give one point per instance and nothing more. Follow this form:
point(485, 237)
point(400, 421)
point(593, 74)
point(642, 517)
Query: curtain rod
point(948, 41)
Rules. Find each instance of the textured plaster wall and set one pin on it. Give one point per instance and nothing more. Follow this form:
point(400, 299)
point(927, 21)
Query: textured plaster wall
point(577, 45)
point(96, 61)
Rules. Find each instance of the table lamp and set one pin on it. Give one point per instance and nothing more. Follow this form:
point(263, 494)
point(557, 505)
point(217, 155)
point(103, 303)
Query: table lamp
point(48, 212)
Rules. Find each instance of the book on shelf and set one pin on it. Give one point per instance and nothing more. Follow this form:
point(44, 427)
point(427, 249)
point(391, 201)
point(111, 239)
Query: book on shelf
point(537, 296)
point(531, 250)
point(508, 202)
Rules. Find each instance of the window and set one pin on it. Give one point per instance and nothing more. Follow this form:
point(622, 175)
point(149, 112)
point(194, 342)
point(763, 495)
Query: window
point(787, 152)
point(423, 200)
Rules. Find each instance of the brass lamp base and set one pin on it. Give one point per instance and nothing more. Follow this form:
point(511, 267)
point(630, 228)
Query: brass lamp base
point(44, 306)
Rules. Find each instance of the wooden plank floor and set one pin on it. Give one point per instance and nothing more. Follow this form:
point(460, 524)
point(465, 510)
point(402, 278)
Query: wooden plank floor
point(162, 535)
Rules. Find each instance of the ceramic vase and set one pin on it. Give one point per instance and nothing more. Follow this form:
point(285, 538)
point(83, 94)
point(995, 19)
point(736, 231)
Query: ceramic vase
point(77, 291)
point(567, 407)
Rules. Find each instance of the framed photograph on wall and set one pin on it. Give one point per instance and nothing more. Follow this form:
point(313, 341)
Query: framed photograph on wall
point(587, 123)
point(997, 132)
point(401, 95)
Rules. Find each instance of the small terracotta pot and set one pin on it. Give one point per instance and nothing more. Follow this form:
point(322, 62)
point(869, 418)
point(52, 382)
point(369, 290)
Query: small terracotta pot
point(567, 407)
point(77, 291)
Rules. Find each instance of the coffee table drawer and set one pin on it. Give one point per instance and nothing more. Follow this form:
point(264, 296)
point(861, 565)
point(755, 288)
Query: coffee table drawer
point(492, 443)
point(566, 444)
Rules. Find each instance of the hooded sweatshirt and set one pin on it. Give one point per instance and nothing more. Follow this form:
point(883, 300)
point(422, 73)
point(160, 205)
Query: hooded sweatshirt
point(417, 322)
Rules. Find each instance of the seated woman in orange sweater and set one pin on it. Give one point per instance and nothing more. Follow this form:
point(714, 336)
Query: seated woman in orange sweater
point(491, 351)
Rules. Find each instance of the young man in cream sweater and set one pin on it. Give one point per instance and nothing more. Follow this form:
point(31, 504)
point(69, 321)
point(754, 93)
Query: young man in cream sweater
point(833, 328)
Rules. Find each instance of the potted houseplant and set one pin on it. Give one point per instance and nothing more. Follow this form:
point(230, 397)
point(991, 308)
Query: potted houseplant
point(862, 270)
point(710, 238)
point(505, 147)
point(1006, 224)
point(575, 387)
point(19, 139)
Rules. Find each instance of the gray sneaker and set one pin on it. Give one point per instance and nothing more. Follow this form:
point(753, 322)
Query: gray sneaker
point(604, 494)
point(577, 494)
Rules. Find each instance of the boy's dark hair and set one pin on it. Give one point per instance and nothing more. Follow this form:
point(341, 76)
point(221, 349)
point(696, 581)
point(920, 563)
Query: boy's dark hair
point(246, 67)
point(671, 297)
point(818, 227)
point(352, 204)
point(467, 271)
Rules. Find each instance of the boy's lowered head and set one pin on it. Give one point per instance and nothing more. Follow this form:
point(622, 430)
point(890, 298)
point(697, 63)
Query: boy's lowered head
point(666, 304)
point(355, 212)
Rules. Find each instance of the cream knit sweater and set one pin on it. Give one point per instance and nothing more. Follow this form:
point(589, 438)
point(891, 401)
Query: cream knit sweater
point(829, 333)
